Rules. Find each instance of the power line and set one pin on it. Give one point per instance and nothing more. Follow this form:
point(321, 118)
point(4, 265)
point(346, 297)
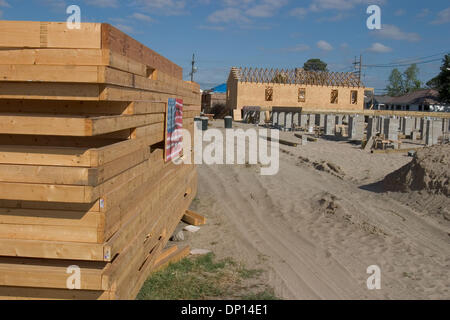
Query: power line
point(399, 65)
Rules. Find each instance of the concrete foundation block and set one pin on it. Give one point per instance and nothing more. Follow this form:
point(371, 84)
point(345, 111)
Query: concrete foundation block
point(433, 131)
point(274, 118)
point(262, 118)
point(372, 127)
point(407, 126)
point(282, 119)
point(303, 120)
point(288, 121)
point(391, 128)
point(330, 125)
point(356, 127)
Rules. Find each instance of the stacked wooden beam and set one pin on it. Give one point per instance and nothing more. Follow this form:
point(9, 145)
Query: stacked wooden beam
point(83, 181)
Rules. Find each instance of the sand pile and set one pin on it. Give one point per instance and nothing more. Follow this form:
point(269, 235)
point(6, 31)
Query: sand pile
point(428, 171)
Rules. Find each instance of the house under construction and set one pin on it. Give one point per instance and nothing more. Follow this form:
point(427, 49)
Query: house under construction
point(313, 91)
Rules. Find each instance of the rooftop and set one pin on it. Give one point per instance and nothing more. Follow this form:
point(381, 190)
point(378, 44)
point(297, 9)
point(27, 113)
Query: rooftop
point(296, 76)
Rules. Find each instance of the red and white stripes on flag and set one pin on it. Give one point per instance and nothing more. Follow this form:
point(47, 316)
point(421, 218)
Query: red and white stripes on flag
point(174, 126)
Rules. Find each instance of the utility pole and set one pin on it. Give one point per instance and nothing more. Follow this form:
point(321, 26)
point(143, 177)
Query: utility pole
point(358, 68)
point(194, 69)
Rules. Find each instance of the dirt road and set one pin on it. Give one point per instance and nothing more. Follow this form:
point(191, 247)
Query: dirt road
point(318, 225)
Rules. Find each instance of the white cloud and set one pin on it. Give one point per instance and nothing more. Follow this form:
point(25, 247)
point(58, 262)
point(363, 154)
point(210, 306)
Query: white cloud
point(338, 17)
point(319, 5)
point(335, 5)
point(443, 17)
point(379, 48)
point(3, 3)
point(423, 13)
point(142, 17)
point(266, 8)
point(124, 28)
point(323, 45)
point(299, 12)
point(213, 28)
point(228, 15)
point(393, 32)
point(243, 12)
point(55, 4)
point(168, 7)
point(103, 3)
point(297, 48)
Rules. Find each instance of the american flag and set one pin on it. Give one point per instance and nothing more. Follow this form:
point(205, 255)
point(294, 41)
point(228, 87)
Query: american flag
point(174, 137)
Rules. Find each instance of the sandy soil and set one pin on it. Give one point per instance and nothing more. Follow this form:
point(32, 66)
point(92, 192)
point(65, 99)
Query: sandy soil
point(320, 222)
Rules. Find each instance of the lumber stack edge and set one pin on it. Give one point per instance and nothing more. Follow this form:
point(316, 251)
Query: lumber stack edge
point(83, 181)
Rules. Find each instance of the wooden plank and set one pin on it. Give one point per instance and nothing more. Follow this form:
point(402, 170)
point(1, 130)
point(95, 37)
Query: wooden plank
point(49, 233)
point(91, 74)
point(71, 57)
point(47, 192)
point(31, 34)
point(116, 41)
point(64, 125)
point(57, 91)
point(41, 273)
point(170, 256)
point(85, 92)
point(79, 108)
point(54, 250)
point(194, 218)
point(48, 175)
point(49, 56)
point(24, 293)
point(31, 155)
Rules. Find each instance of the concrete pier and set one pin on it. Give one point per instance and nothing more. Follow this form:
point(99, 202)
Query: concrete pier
point(356, 127)
point(282, 119)
point(330, 124)
point(303, 120)
point(288, 121)
point(274, 118)
point(372, 127)
point(296, 119)
point(407, 126)
point(311, 120)
point(433, 131)
point(320, 120)
point(391, 128)
point(262, 118)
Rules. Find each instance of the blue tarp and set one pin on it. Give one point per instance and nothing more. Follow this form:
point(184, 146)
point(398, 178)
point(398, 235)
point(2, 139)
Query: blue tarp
point(220, 89)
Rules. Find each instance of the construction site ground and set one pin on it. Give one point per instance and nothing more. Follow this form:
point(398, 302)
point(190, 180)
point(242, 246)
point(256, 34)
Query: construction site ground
point(317, 225)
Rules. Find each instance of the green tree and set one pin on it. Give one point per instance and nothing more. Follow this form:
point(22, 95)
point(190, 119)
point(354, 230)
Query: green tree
point(442, 81)
point(395, 87)
point(410, 79)
point(315, 65)
point(400, 84)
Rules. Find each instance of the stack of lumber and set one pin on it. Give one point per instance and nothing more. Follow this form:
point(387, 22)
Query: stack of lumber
point(83, 181)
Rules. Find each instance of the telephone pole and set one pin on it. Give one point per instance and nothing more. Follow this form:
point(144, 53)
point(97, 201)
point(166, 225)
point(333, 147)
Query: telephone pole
point(358, 68)
point(194, 69)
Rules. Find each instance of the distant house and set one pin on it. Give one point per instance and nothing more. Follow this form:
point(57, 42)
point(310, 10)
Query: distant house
point(426, 100)
point(215, 99)
point(249, 87)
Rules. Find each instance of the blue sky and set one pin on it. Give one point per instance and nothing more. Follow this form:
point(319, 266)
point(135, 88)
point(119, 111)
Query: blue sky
point(268, 33)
